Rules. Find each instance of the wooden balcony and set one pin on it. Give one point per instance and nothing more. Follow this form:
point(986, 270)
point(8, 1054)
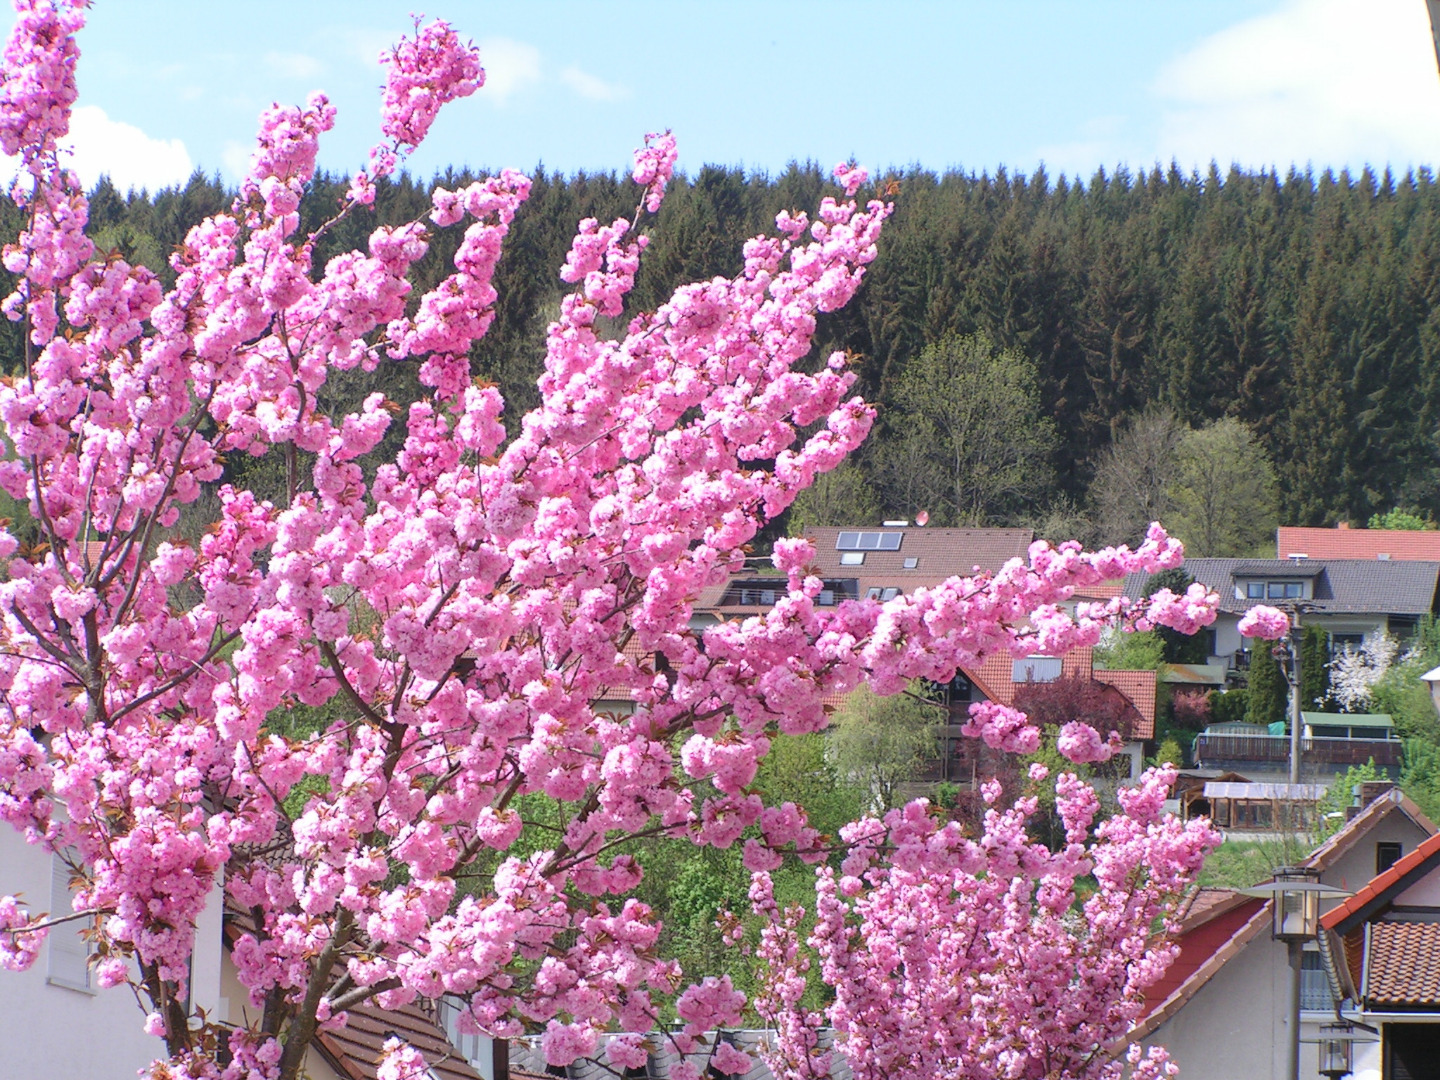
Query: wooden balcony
point(1216, 750)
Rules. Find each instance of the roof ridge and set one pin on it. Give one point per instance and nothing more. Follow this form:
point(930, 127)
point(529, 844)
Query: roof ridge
point(1382, 883)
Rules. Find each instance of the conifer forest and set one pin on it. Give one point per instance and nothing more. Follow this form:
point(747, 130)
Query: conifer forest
point(1305, 309)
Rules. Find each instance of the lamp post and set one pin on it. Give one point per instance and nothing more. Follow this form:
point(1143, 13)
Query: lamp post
point(1335, 1049)
point(1290, 665)
point(1295, 919)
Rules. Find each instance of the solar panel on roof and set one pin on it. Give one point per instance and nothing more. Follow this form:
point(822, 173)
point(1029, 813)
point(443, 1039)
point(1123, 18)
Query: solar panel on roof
point(869, 541)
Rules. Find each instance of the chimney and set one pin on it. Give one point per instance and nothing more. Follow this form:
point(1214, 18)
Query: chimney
point(1368, 792)
point(1342, 525)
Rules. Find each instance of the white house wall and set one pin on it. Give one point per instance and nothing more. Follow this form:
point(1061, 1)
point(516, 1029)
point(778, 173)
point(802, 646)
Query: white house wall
point(51, 1032)
point(1354, 869)
point(1228, 640)
point(1236, 1026)
point(1424, 893)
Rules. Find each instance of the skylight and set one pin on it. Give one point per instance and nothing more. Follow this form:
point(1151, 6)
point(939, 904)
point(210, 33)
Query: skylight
point(869, 541)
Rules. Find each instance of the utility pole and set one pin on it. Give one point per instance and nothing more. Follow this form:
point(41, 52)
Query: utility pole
point(1295, 717)
point(1290, 664)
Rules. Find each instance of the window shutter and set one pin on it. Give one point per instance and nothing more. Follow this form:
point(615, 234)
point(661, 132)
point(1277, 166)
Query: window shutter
point(69, 952)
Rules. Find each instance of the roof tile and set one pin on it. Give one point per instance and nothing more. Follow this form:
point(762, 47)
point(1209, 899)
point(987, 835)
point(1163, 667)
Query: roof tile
point(1139, 689)
point(355, 1049)
point(1404, 967)
point(1357, 543)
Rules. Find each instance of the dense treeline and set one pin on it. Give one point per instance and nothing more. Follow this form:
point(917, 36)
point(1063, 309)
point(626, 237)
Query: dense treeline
point(1303, 306)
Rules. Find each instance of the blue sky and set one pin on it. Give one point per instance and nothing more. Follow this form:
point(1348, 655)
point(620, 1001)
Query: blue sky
point(169, 85)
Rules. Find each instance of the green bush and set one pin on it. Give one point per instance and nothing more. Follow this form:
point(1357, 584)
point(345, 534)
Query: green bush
point(1229, 706)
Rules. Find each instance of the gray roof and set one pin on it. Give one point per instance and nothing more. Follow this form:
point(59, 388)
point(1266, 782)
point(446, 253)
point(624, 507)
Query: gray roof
point(1341, 586)
point(1218, 789)
point(1290, 568)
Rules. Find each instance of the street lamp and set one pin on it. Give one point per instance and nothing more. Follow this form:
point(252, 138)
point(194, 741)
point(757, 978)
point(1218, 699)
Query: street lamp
point(1335, 1049)
point(1295, 913)
point(1297, 892)
point(1289, 655)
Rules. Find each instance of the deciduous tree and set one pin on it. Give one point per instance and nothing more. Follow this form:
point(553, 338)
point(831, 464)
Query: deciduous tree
point(467, 613)
point(1224, 495)
point(967, 440)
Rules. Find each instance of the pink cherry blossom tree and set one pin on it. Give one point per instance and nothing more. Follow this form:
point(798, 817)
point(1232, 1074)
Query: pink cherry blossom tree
point(469, 606)
point(984, 958)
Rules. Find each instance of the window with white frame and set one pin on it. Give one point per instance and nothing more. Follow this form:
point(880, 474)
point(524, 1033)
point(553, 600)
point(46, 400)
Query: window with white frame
point(1274, 590)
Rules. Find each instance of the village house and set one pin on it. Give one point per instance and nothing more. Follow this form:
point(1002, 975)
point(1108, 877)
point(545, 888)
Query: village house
point(1382, 951)
point(1349, 598)
point(896, 558)
point(1223, 1008)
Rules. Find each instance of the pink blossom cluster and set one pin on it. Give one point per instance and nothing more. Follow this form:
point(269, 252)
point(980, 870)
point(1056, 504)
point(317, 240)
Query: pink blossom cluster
point(1002, 727)
point(654, 165)
point(19, 944)
point(1264, 622)
point(39, 87)
point(956, 956)
point(422, 75)
point(469, 611)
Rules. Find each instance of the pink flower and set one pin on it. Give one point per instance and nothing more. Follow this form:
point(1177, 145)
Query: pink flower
point(1267, 623)
point(1079, 742)
point(1002, 727)
point(654, 165)
point(727, 1059)
point(564, 1043)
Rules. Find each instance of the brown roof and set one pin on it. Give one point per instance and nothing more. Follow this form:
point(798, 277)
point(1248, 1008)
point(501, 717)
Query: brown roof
point(1207, 903)
point(940, 554)
point(995, 676)
point(1346, 543)
point(1404, 965)
point(1139, 689)
point(1384, 882)
point(1101, 590)
point(354, 1050)
point(995, 679)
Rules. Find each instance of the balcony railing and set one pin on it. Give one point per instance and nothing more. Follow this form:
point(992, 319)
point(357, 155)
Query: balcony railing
point(1211, 749)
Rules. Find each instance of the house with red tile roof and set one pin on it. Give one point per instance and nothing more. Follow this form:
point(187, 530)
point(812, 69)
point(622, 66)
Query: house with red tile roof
point(1383, 950)
point(1343, 542)
point(1222, 1010)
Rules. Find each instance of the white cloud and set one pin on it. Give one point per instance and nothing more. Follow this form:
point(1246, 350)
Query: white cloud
point(1328, 82)
point(236, 157)
point(366, 45)
point(588, 86)
point(510, 66)
point(293, 65)
point(124, 152)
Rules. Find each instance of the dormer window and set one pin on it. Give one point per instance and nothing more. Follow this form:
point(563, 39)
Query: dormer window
point(1036, 669)
point(1274, 590)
